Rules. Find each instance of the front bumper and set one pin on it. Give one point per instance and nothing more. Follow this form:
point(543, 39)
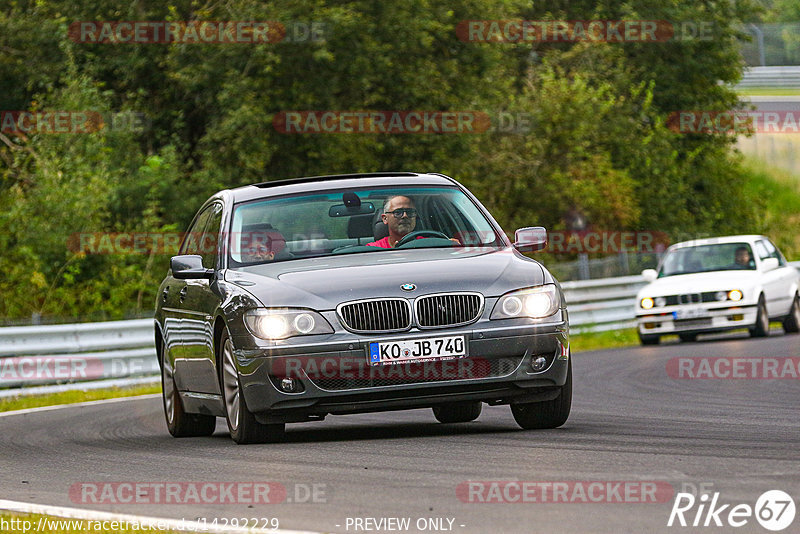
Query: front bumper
point(695, 318)
point(335, 376)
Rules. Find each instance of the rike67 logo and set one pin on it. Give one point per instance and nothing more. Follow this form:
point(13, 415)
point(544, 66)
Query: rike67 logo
point(774, 510)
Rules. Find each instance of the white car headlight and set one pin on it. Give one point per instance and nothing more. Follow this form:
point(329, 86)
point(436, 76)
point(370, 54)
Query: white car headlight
point(646, 303)
point(535, 302)
point(272, 324)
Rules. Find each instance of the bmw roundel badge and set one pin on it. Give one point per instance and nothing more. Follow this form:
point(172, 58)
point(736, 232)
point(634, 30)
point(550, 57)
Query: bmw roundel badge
point(408, 287)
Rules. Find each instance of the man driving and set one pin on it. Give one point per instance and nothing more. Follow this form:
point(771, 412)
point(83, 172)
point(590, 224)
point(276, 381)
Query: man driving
point(400, 217)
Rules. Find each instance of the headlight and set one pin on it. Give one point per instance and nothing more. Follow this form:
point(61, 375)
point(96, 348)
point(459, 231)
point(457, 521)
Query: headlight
point(721, 295)
point(535, 302)
point(735, 294)
point(283, 323)
point(646, 303)
point(661, 302)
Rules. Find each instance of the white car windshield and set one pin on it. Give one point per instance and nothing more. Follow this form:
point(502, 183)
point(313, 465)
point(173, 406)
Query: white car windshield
point(708, 258)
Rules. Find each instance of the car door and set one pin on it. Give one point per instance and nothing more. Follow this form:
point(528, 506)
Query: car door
point(771, 281)
point(173, 294)
point(786, 274)
point(201, 301)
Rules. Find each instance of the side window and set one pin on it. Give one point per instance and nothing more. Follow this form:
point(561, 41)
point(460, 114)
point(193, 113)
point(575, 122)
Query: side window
point(191, 242)
point(775, 253)
point(761, 250)
point(210, 237)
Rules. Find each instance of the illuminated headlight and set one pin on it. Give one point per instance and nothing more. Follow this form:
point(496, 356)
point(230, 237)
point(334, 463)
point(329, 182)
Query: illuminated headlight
point(647, 303)
point(735, 294)
point(535, 302)
point(282, 323)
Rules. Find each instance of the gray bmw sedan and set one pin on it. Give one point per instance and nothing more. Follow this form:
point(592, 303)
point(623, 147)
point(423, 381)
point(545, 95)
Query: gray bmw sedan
point(296, 299)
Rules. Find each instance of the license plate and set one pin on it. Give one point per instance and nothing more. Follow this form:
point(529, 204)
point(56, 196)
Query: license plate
point(387, 352)
point(688, 314)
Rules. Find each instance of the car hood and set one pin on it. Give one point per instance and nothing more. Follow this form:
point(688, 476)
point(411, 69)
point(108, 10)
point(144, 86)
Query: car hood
point(699, 283)
point(323, 283)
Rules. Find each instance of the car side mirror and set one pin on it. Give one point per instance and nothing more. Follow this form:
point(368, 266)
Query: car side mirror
point(189, 267)
point(530, 239)
point(769, 264)
point(649, 275)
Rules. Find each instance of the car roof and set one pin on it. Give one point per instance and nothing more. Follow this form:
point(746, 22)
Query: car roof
point(746, 238)
point(336, 181)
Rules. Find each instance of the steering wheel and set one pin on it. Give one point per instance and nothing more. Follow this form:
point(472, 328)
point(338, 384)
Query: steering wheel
point(420, 233)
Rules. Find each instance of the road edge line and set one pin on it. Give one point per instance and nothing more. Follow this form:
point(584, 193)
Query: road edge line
point(71, 404)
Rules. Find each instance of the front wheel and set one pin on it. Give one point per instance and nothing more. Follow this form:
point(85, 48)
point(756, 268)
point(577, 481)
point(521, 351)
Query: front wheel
point(761, 327)
point(242, 424)
point(179, 423)
point(547, 414)
point(791, 325)
point(646, 339)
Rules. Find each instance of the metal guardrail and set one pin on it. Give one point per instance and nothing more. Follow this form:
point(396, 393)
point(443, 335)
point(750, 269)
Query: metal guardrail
point(770, 77)
point(53, 354)
point(604, 304)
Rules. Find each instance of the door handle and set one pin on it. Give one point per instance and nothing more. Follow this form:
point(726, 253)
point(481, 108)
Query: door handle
point(165, 294)
point(182, 294)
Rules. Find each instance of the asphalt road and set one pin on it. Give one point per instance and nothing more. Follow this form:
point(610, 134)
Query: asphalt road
point(630, 422)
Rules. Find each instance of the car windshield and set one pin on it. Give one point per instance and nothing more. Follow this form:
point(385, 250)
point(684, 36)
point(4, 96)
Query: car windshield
point(351, 222)
point(707, 258)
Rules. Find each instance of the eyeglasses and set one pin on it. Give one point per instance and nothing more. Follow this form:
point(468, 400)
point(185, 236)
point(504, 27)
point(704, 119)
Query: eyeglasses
point(398, 213)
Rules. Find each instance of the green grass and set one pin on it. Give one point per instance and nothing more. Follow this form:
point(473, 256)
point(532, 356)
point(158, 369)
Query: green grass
point(51, 525)
point(69, 397)
point(778, 192)
point(603, 340)
point(769, 91)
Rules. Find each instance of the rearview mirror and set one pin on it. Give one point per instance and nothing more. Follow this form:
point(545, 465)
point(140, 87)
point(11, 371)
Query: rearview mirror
point(189, 267)
point(769, 264)
point(649, 275)
point(530, 239)
point(341, 210)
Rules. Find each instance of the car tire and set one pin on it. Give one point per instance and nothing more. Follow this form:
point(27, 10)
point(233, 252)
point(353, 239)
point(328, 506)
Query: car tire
point(791, 324)
point(761, 326)
point(179, 423)
point(645, 339)
point(242, 424)
point(688, 338)
point(547, 414)
point(457, 412)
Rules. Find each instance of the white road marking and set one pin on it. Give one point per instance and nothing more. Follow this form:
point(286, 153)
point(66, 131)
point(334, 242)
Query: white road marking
point(87, 403)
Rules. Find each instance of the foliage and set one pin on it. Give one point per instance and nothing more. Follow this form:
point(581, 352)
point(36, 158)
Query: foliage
point(597, 142)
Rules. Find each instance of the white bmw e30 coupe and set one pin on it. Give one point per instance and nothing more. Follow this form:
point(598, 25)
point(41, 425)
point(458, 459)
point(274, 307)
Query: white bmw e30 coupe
point(717, 284)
